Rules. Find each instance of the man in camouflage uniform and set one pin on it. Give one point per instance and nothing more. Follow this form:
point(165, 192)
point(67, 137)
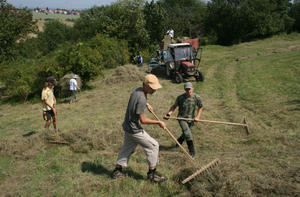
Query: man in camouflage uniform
point(187, 103)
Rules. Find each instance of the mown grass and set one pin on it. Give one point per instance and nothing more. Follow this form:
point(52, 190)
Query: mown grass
point(264, 87)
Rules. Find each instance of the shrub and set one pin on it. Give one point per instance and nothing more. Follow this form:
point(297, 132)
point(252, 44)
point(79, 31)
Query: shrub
point(82, 60)
point(114, 52)
point(19, 80)
point(295, 14)
point(55, 33)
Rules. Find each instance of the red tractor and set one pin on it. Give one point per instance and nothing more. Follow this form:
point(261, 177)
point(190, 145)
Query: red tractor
point(181, 60)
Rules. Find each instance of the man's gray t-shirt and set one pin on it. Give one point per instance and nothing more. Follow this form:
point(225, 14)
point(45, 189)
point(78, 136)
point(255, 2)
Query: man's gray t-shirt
point(135, 107)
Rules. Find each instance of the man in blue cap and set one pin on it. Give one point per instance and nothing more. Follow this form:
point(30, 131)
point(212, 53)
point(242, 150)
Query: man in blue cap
point(187, 104)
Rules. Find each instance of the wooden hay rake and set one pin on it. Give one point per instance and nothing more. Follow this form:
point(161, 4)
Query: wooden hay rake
point(202, 169)
point(245, 125)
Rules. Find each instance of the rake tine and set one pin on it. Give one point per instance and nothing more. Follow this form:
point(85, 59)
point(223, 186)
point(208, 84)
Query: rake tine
point(203, 169)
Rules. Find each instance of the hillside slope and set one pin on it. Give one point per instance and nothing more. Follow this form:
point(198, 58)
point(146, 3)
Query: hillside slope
point(258, 80)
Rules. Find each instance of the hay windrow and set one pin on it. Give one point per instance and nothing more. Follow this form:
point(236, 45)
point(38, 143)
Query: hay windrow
point(84, 140)
point(64, 82)
point(223, 181)
point(126, 73)
point(23, 147)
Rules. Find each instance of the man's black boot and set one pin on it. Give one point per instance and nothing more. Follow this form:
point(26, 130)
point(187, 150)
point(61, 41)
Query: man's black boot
point(180, 140)
point(191, 147)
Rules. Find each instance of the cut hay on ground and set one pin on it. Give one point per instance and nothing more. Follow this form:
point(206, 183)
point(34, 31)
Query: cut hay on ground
point(125, 73)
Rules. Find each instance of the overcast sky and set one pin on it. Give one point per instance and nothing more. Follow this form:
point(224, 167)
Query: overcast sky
point(68, 4)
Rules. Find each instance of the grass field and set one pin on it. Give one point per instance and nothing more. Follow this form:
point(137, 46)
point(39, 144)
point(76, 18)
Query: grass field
point(259, 80)
point(42, 17)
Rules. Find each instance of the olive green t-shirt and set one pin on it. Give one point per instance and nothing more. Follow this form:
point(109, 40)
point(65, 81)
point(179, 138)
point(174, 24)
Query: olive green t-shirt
point(136, 106)
point(187, 105)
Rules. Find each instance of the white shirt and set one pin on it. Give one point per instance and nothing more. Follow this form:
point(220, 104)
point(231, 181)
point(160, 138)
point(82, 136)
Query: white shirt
point(73, 84)
point(171, 33)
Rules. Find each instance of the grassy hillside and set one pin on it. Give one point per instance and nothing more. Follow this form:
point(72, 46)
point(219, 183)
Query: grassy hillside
point(259, 80)
point(42, 17)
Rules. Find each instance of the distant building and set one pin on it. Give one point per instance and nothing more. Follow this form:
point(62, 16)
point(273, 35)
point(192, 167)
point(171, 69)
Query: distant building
point(58, 11)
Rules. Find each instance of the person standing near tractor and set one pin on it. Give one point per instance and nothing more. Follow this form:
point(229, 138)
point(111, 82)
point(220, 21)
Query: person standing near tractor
point(136, 135)
point(49, 103)
point(73, 88)
point(170, 32)
point(139, 60)
point(187, 103)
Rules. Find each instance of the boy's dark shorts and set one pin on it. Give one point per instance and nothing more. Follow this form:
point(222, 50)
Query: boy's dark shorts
point(48, 114)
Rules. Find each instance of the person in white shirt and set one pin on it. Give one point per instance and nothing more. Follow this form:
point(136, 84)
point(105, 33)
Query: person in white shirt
point(171, 33)
point(73, 87)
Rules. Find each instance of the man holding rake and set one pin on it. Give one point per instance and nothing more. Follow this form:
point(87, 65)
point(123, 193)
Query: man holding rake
point(136, 135)
point(187, 104)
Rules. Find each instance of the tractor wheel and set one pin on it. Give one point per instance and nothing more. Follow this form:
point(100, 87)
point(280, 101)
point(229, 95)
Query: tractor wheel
point(199, 76)
point(178, 78)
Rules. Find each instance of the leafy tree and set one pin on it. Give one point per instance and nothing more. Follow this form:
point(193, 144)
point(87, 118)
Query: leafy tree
point(55, 33)
point(223, 20)
point(233, 21)
point(262, 18)
point(114, 52)
point(185, 16)
point(19, 78)
point(15, 24)
point(295, 14)
point(156, 20)
point(29, 48)
point(82, 60)
point(123, 20)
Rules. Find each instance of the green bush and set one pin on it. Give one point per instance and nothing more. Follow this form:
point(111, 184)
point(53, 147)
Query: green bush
point(55, 33)
point(82, 60)
point(294, 13)
point(29, 48)
point(19, 80)
point(114, 52)
point(15, 24)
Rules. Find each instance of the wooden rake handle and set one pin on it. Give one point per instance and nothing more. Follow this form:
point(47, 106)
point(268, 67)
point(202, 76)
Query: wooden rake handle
point(211, 121)
point(175, 140)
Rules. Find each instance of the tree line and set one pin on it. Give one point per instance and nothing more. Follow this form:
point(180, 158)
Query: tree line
point(108, 36)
